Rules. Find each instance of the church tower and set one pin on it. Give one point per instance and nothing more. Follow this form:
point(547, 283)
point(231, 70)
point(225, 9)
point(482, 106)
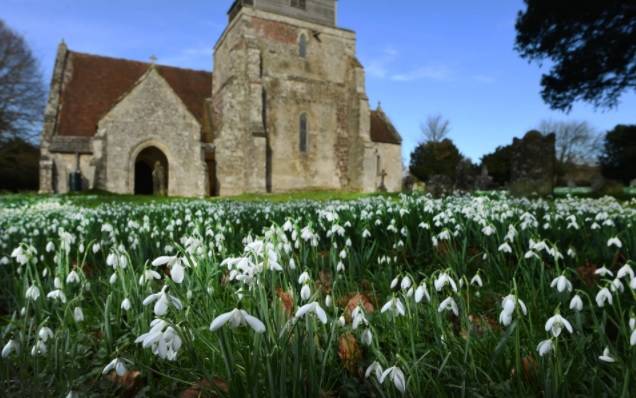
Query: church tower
point(289, 109)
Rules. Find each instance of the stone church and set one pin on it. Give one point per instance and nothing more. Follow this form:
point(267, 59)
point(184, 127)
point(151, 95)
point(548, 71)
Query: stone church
point(285, 109)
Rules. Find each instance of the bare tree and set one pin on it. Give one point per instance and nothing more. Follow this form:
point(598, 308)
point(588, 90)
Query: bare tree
point(22, 95)
point(576, 141)
point(436, 128)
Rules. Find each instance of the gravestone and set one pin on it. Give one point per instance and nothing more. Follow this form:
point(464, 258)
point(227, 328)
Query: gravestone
point(533, 164)
point(439, 185)
point(484, 181)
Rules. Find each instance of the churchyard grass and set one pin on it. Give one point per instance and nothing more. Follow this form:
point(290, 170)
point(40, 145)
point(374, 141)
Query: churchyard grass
point(375, 296)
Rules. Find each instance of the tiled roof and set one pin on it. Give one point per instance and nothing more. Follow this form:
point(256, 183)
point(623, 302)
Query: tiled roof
point(382, 130)
point(96, 83)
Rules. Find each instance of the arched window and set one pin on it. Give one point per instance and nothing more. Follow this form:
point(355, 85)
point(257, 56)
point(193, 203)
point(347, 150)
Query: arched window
point(302, 46)
point(302, 133)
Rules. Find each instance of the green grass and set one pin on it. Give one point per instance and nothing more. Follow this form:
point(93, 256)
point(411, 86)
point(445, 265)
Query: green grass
point(90, 199)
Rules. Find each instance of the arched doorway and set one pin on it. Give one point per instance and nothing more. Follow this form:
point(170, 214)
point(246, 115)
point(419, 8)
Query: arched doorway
point(151, 172)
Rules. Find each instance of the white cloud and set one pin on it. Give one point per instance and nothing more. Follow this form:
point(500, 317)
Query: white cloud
point(382, 67)
point(379, 67)
point(429, 72)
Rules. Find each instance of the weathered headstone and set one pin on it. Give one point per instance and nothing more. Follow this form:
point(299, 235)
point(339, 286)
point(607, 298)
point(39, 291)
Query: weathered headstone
point(533, 162)
point(484, 181)
point(439, 185)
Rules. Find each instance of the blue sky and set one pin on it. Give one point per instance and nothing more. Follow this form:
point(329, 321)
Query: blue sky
point(452, 57)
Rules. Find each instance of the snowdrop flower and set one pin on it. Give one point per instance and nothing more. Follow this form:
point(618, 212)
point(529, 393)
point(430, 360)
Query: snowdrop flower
point(444, 279)
point(57, 283)
point(358, 318)
point(96, 247)
point(562, 284)
point(304, 278)
point(508, 305)
point(606, 357)
point(237, 318)
point(488, 230)
point(32, 293)
point(625, 270)
point(476, 280)
point(39, 349)
point(367, 337)
point(116, 260)
point(448, 304)
point(394, 282)
point(113, 278)
point(505, 248)
point(9, 348)
point(617, 286)
point(340, 267)
point(603, 296)
point(374, 369)
point(163, 340)
point(174, 264)
point(125, 305)
point(556, 324)
point(50, 247)
point(162, 301)
point(78, 314)
point(395, 306)
point(544, 347)
point(397, 377)
point(313, 307)
point(21, 256)
point(72, 394)
point(576, 303)
point(603, 272)
point(328, 301)
point(632, 338)
point(57, 295)
point(529, 254)
point(614, 242)
point(72, 277)
point(305, 292)
point(148, 276)
point(45, 333)
point(406, 283)
point(118, 365)
point(422, 292)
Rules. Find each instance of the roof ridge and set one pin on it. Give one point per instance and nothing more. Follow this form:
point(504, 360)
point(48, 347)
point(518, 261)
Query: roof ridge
point(136, 61)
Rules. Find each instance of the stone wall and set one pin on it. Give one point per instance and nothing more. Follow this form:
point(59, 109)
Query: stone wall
point(150, 115)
